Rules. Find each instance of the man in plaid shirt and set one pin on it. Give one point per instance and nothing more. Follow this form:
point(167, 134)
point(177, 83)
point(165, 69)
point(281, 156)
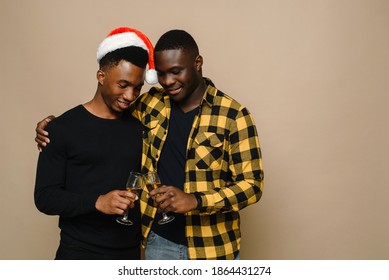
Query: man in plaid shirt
point(205, 147)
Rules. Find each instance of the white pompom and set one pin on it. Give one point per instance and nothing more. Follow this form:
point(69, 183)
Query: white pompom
point(151, 77)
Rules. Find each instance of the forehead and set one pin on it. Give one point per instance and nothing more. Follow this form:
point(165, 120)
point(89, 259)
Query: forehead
point(126, 71)
point(172, 58)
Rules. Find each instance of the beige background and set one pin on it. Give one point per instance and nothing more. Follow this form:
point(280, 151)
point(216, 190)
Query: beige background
point(313, 73)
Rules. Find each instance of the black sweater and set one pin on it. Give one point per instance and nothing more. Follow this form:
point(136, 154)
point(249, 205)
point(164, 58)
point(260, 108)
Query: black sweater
point(89, 156)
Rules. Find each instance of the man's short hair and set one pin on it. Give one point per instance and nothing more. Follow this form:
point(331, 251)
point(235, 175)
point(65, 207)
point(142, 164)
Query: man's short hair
point(134, 55)
point(177, 39)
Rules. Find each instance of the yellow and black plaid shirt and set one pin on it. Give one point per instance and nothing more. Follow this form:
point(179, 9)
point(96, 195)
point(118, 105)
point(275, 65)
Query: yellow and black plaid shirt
point(223, 146)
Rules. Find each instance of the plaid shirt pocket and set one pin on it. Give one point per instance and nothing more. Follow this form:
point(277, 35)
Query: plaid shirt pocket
point(208, 148)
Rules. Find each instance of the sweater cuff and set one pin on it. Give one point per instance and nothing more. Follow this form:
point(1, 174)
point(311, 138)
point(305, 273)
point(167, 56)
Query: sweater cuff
point(90, 203)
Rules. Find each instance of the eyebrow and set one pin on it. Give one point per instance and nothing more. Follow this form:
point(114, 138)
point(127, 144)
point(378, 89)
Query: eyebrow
point(176, 67)
point(128, 82)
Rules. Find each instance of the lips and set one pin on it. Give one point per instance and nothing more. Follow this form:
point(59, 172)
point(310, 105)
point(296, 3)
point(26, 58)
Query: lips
point(174, 91)
point(123, 104)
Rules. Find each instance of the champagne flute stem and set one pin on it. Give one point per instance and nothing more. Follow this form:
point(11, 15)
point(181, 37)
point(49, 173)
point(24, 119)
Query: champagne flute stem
point(125, 216)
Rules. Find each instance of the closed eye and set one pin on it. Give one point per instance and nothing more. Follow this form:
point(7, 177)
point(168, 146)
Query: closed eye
point(176, 71)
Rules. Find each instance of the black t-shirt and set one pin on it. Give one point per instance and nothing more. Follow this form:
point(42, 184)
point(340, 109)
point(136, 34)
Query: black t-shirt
point(89, 156)
point(171, 169)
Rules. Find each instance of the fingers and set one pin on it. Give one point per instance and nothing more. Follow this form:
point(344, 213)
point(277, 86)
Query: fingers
point(161, 195)
point(40, 129)
point(41, 135)
point(164, 205)
point(119, 208)
point(46, 120)
point(177, 201)
point(125, 199)
point(169, 204)
point(40, 126)
point(165, 201)
point(172, 199)
point(158, 191)
point(115, 202)
point(40, 144)
point(127, 195)
point(42, 140)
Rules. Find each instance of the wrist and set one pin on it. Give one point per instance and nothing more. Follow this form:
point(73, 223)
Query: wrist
point(98, 204)
point(199, 200)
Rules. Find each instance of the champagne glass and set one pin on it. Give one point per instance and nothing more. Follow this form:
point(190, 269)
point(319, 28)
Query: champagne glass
point(153, 182)
point(134, 185)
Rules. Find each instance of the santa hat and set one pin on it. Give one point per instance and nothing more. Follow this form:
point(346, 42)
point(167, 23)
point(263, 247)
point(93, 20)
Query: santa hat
point(123, 37)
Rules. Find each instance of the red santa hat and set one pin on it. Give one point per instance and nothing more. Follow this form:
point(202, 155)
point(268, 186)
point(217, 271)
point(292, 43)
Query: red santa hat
point(123, 37)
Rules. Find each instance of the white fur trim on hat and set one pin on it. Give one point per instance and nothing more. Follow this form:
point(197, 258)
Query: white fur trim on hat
point(119, 41)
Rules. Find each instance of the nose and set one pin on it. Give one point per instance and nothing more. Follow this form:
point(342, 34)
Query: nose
point(130, 95)
point(167, 80)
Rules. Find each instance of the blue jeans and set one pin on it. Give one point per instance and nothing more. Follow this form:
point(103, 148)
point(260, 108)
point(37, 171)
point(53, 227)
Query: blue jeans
point(159, 248)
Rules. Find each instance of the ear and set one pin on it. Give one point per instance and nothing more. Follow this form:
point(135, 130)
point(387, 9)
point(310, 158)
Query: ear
point(100, 75)
point(199, 62)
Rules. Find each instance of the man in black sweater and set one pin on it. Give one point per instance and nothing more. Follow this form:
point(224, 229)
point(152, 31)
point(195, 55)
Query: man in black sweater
point(81, 177)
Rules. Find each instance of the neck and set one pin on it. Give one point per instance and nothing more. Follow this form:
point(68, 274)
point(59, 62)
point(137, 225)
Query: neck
point(194, 99)
point(97, 107)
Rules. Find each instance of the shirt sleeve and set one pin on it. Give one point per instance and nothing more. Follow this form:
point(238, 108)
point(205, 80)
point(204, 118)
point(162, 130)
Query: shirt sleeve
point(245, 167)
point(135, 107)
point(50, 195)
point(144, 101)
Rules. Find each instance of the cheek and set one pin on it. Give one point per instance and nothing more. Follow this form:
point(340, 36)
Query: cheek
point(108, 93)
point(112, 89)
point(190, 77)
point(190, 83)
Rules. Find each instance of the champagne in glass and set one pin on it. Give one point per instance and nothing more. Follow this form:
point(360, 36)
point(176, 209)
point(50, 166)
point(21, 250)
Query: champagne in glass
point(152, 182)
point(134, 185)
point(136, 191)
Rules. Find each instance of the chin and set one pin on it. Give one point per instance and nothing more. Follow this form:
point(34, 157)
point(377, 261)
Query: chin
point(178, 98)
